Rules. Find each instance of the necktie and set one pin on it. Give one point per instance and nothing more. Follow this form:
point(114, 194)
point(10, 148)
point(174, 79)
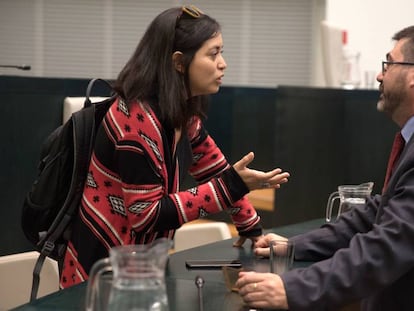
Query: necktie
point(396, 150)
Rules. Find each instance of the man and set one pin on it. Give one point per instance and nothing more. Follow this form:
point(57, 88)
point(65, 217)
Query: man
point(368, 254)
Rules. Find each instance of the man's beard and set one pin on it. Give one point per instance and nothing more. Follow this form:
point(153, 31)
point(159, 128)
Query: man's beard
point(391, 99)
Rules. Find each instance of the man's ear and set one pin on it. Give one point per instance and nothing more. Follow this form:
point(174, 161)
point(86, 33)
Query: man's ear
point(177, 59)
point(410, 77)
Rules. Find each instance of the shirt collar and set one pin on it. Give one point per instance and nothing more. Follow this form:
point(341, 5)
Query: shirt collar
point(408, 129)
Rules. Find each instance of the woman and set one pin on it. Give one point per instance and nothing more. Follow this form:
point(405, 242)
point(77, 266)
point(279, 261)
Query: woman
point(150, 137)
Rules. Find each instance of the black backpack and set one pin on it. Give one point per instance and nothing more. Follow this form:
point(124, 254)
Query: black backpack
point(55, 195)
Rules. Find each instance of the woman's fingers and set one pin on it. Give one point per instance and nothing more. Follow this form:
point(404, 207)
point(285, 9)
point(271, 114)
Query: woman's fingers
point(244, 162)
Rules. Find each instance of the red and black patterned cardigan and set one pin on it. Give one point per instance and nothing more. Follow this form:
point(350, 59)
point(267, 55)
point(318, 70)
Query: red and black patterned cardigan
point(132, 191)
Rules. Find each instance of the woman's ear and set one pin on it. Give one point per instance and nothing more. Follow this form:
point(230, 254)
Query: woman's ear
point(177, 58)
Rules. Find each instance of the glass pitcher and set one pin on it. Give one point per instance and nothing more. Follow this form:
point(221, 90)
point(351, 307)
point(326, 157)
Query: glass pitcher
point(350, 71)
point(349, 196)
point(137, 282)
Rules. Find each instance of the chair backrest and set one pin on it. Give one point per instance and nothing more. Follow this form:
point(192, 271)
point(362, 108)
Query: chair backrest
point(73, 104)
point(16, 273)
point(193, 235)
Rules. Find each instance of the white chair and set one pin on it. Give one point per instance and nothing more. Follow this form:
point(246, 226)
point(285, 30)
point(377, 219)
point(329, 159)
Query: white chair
point(73, 104)
point(193, 235)
point(16, 273)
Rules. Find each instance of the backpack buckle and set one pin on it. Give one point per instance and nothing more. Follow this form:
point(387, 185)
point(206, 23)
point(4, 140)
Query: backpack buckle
point(48, 247)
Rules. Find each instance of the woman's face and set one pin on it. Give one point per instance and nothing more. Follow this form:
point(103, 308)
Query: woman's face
point(207, 67)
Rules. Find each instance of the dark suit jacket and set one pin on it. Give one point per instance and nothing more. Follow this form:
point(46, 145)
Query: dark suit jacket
point(367, 255)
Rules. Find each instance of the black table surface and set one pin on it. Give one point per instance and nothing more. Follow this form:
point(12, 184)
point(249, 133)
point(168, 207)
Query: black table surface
point(182, 293)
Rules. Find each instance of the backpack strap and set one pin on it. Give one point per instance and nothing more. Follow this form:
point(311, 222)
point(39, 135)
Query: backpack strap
point(91, 83)
point(83, 124)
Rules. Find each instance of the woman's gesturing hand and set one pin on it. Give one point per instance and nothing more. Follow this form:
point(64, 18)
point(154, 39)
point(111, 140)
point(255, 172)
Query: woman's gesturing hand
point(255, 179)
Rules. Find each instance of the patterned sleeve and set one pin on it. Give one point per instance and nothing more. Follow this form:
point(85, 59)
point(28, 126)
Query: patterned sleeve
point(209, 162)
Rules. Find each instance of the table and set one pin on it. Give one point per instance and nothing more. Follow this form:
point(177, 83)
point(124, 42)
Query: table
point(181, 289)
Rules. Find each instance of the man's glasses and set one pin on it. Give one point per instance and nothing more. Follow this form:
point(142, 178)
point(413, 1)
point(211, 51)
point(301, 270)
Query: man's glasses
point(386, 64)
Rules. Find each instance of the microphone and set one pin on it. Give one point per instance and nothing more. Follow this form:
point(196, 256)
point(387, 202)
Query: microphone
point(21, 67)
point(199, 282)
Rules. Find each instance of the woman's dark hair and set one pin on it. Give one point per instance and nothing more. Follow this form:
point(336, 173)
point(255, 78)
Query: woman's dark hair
point(150, 73)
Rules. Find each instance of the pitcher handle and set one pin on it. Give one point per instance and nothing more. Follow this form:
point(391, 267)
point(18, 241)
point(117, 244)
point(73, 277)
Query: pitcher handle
point(100, 267)
point(329, 207)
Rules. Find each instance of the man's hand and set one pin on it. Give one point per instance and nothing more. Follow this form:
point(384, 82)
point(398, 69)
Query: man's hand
point(262, 290)
point(261, 247)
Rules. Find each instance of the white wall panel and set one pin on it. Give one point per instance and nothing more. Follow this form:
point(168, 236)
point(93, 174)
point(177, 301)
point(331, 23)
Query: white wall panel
point(266, 42)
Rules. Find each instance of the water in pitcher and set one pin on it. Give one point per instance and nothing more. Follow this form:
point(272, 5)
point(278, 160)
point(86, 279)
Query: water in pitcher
point(149, 297)
point(349, 203)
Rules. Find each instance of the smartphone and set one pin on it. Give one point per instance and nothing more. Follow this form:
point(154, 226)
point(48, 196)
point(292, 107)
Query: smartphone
point(213, 263)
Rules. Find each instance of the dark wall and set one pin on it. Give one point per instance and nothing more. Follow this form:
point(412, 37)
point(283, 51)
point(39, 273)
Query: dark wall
point(243, 120)
point(323, 137)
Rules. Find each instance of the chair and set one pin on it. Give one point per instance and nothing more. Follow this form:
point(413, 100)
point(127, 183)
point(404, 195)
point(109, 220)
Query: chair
point(196, 234)
point(16, 273)
point(73, 104)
